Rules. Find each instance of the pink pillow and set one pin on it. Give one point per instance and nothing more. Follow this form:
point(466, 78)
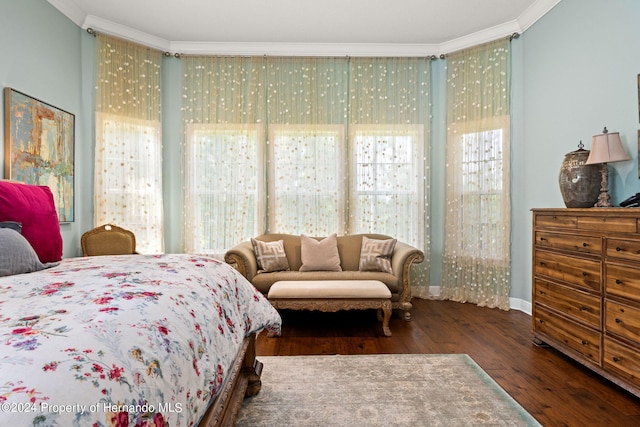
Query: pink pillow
point(319, 255)
point(34, 208)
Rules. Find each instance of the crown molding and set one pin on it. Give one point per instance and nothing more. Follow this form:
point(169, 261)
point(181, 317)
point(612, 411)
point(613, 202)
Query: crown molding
point(304, 49)
point(485, 36)
point(105, 26)
point(524, 21)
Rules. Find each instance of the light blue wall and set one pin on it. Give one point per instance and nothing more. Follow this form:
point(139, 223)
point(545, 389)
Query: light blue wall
point(40, 50)
point(172, 164)
point(574, 71)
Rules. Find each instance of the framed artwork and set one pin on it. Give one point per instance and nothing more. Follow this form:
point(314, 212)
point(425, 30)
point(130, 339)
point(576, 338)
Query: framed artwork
point(39, 147)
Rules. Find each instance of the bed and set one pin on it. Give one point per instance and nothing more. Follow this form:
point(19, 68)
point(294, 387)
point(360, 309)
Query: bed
point(137, 340)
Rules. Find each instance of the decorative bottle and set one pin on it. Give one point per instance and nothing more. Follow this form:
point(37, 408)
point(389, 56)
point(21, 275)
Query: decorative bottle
point(579, 183)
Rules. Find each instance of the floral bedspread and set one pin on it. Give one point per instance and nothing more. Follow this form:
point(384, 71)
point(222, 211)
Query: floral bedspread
point(122, 340)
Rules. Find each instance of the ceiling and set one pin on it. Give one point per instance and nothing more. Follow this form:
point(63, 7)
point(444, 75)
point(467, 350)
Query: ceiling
point(306, 27)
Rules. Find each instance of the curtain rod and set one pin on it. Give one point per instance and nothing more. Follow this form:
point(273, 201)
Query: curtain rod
point(179, 55)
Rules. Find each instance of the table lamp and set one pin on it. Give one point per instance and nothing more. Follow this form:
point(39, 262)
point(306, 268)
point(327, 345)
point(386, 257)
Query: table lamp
point(606, 148)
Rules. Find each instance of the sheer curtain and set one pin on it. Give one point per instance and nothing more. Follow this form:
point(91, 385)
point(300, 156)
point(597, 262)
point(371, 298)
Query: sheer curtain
point(306, 146)
point(307, 115)
point(476, 259)
point(128, 153)
point(389, 133)
point(224, 114)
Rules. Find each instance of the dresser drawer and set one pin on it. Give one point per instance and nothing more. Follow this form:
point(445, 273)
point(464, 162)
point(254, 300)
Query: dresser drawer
point(623, 281)
point(561, 221)
point(621, 360)
point(622, 320)
point(584, 273)
point(578, 338)
point(607, 223)
point(623, 249)
point(575, 303)
point(582, 244)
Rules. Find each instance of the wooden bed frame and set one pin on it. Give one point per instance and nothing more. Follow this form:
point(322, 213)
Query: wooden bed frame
point(244, 380)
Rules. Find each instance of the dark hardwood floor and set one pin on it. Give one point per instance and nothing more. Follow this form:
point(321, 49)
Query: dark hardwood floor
point(550, 386)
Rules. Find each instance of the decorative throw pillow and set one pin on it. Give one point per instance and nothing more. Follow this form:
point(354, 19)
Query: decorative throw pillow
point(319, 255)
point(270, 256)
point(12, 225)
point(34, 208)
point(16, 254)
point(375, 255)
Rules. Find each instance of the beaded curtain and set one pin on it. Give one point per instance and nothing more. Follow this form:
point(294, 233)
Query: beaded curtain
point(224, 161)
point(476, 258)
point(307, 113)
point(128, 152)
point(305, 146)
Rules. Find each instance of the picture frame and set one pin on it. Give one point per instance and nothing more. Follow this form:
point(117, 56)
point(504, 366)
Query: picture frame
point(39, 148)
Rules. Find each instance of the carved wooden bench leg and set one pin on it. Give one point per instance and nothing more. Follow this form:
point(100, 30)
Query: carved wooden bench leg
point(386, 310)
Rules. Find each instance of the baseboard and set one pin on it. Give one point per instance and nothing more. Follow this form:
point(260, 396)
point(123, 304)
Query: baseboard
point(520, 305)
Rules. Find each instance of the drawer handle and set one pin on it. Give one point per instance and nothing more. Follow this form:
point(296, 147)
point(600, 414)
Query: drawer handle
point(584, 308)
point(585, 244)
point(542, 293)
point(541, 321)
point(542, 263)
point(616, 359)
point(618, 249)
point(585, 342)
point(542, 239)
point(618, 282)
point(585, 274)
point(618, 320)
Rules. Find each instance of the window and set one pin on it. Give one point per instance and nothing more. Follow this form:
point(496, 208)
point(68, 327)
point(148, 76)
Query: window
point(128, 178)
point(387, 181)
point(226, 191)
point(482, 193)
point(307, 170)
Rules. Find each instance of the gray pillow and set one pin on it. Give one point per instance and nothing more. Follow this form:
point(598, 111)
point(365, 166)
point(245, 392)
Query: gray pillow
point(16, 254)
point(375, 255)
point(270, 256)
point(14, 225)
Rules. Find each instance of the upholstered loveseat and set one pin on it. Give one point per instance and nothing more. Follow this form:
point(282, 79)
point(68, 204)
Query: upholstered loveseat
point(398, 263)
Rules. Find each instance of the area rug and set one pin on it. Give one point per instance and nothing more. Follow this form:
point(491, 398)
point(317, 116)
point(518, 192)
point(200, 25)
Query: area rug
point(379, 390)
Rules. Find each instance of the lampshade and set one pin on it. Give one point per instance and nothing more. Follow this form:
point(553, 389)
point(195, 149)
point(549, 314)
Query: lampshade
point(606, 148)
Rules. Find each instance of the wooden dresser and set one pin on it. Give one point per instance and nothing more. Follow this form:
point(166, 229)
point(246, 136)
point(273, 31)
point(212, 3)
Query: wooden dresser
point(586, 288)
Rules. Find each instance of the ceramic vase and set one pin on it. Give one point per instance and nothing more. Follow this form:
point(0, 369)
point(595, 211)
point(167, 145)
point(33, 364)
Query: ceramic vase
point(579, 183)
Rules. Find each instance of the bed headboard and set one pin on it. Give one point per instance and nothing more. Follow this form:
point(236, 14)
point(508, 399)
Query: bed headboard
point(33, 207)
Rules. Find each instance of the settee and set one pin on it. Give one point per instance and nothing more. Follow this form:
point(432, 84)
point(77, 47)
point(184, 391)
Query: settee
point(245, 257)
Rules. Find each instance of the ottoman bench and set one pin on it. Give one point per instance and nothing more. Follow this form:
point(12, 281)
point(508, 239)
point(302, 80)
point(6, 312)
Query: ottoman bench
point(333, 295)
